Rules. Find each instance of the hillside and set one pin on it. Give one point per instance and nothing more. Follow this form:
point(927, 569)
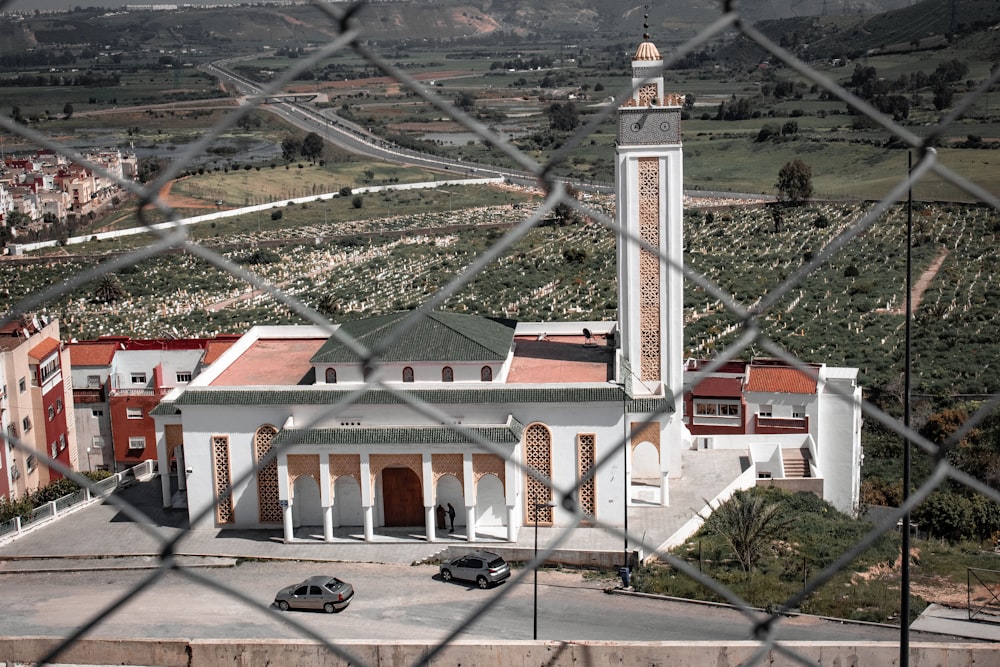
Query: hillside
point(255, 26)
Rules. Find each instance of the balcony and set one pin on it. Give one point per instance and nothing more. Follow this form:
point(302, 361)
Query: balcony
point(89, 395)
point(781, 424)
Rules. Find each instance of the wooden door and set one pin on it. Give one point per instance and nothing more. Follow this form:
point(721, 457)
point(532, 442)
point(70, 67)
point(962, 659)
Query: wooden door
point(402, 497)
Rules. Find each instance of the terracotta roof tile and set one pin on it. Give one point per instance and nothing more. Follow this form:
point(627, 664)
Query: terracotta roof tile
point(91, 354)
point(44, 349)
point(719, 388)
point(779, 380)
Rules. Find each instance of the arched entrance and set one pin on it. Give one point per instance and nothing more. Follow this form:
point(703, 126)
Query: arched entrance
point(402, 498)
point(347, 502)
point(307, 509)
point(490, 504)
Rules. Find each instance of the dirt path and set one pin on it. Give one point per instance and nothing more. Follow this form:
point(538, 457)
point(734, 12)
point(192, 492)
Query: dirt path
point(917, 294)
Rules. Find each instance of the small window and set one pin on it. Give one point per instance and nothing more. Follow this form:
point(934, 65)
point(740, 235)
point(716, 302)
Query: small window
point(52, 412)
point(96, 412)
point(93, 382)
point(798, 412)
point(486, 374)
point(22, 386)
point(138, 378)
point(55, 449)
point(183, 377)
point(11, 433)
point(137, 442)
point(59, 405)
point(764, 411)
point(5, 391)
point(407, 374)
point(97, 441)
point(62, 441)
point(29, 463)
point(26, 424)
point(447, 374)
point(331, 376)
point(133, 413)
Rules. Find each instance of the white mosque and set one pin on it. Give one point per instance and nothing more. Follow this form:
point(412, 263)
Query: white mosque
point(279, 431)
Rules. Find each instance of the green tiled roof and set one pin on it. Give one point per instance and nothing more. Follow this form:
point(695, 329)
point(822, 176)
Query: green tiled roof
point(437, 336)
point(164, 408)
point(505, 434)
point(487, 394)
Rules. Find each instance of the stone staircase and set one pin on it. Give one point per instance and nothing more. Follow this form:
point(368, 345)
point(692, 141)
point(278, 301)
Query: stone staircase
point(796, 462)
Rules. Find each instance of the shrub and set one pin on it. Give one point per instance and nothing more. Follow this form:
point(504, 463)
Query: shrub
point(277, 214)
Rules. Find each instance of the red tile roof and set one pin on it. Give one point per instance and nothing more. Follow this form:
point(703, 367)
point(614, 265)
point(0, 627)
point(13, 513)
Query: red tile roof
point(91, 354)
point(719, 388)
point(215, 348)
point(779, 380)
point(44, 349)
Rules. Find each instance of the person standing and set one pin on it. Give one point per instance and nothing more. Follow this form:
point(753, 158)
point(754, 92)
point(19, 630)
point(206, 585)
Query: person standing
point(451, 516)
point(440, 517)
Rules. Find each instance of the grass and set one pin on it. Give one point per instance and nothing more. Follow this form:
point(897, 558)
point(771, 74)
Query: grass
point(867, 590)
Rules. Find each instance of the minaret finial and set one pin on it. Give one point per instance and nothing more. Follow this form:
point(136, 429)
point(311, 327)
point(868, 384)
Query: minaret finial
point(645, 24)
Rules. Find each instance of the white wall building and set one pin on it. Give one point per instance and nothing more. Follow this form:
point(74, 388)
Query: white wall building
point(273, 434)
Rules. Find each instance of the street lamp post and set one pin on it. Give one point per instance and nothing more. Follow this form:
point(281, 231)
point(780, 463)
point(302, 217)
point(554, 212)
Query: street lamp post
point(534, 633)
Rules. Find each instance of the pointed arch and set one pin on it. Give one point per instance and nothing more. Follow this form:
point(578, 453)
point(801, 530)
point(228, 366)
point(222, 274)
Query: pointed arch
point(268, 504)
point(538, 457)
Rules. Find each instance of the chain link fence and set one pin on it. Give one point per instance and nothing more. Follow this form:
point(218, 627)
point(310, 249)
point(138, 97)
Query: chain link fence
point(349, 37)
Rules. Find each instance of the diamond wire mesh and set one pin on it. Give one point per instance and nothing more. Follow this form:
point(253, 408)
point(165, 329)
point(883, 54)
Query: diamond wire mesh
point(761, 625)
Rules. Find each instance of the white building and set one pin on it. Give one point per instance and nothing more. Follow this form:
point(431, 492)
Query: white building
point(280, 432)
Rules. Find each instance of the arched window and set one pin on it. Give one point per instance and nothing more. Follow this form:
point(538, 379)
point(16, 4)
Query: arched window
point(407, 374)
point(331, 376)
point(486, 374)
point(447, 375)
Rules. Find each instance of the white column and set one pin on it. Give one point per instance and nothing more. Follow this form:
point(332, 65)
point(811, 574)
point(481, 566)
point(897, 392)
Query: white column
point(366, 497)
point(326, 497)
point(283, 498)
point(429, 521)
point(427, 476)
point(665, 489)
point(510, 484)
point(328, 523)
point(369, 523)
point(469, 492)
point(286, 519)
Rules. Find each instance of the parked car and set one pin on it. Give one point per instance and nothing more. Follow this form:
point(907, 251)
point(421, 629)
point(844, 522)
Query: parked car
point(483, 567)
point(327, 593)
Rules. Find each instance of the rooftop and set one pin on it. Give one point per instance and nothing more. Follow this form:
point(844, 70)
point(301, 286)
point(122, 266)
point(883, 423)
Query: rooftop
point(560, 359)
point(272, 361)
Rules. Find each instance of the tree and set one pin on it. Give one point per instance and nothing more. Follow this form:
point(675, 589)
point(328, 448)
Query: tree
point(748, 523)
point(68, 110)
point(563, 117)
point(290, 147)
point(465, 101)
point(109, 289)
point(795, 182)
point(312, 146)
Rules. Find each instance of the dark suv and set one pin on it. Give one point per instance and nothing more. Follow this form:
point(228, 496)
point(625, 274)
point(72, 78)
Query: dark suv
point(483, 567)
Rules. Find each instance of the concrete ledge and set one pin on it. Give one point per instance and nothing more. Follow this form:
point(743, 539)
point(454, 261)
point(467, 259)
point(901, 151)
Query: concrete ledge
point(245, 652)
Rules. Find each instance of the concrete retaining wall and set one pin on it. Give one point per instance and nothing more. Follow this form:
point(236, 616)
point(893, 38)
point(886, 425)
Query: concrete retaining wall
point(250, 653)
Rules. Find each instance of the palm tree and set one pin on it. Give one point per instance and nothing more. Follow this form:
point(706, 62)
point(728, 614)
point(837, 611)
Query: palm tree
point(109, 289)
point(748, 523)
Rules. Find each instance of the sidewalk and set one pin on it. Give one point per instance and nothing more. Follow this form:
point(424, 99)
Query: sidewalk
point(104, 531)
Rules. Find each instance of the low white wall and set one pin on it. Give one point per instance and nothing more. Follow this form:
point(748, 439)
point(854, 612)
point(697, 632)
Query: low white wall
point(211, 653)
